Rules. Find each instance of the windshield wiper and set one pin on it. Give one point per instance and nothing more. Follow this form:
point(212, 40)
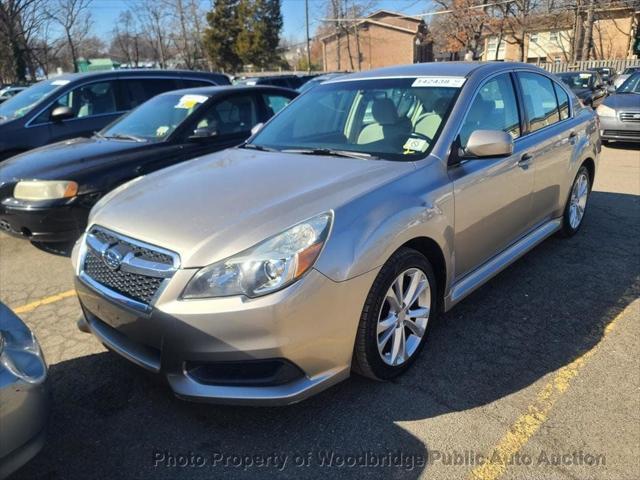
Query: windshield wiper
point(253, 146)
point(124, 136)
point(332, 153)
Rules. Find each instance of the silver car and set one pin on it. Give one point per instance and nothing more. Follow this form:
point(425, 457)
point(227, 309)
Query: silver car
point(620, 113)
point(24, 394)
point(332, 239)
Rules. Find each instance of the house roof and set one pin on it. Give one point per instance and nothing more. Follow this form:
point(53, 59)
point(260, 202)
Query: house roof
point(371, 20)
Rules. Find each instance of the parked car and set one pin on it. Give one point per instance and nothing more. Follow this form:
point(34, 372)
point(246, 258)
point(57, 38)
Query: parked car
point(620, 113)
point(77, 105)
point(608, 74)
point(24, 394)
point(7, 93)
point(626, 73)
point(314, 82)
point(329, 242)
point(46, 193)
point(285, 81)
point(588, 86)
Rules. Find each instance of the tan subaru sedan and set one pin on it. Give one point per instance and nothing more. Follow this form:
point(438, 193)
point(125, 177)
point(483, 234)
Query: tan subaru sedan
point(331, 240)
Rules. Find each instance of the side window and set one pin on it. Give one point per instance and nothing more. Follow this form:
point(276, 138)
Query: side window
point(539, 100)
point(494, 108)
point(563, 101)
point(85, 101)
point(274, 103)
point(138, 91)
point(233, 115)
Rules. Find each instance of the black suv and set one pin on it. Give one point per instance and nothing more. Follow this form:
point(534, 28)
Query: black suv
point(79, 104)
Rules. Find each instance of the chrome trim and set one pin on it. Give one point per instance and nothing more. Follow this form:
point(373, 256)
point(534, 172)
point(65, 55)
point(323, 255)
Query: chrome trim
point(475, 279)
point(132, 264)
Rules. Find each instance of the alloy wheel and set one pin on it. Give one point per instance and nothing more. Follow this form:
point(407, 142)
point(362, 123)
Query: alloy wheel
point(403, 317)
point(578, 201)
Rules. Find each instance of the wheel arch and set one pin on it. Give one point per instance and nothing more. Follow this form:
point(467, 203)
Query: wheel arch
point(591, 167)
point(432, 251)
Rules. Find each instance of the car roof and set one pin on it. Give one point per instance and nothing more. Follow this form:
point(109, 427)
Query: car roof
point(212, 91)
point(133, 72)
point(456, 69)
point(590, 72)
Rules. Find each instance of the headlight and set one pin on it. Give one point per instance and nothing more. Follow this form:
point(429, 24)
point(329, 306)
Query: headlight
point(20, 354)
point(44, 189)
point(269, 266)
point(605, 111)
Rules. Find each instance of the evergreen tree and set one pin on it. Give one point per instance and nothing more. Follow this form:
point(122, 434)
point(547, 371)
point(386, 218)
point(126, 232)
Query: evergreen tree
point(221, 35)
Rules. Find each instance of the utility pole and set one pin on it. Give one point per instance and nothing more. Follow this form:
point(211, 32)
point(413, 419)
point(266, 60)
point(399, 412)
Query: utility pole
point(306, 12)
point(588, 36)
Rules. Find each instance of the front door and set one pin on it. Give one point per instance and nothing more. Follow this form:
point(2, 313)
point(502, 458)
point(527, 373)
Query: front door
point(492, 195)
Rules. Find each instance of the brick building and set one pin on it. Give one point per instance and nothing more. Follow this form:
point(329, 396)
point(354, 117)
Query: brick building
point(550, 38)
point(381, 39)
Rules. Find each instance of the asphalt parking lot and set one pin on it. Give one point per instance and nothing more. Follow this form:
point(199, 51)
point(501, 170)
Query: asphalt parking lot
point(538, 371)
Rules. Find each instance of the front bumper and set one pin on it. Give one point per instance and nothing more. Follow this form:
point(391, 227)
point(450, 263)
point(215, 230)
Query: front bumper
point(311, 326)
point(612, 128)
point(24, 397)
point(60, 223)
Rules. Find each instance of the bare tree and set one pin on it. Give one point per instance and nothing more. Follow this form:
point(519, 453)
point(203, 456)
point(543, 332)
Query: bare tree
point(154, 21)
point(187, 34)
point(20, 21)
point(75, 20)
point(125, 42)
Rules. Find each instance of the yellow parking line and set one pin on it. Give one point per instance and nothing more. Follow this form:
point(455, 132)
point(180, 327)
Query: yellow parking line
point(537, 413)
point(44, 301)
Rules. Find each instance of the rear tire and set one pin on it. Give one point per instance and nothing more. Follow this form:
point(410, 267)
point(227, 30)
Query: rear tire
point(576, 207)
point(398, 312)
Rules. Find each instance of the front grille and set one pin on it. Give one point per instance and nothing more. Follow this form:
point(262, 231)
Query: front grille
point(630, 117)
point(622, 133)
point(141, 288)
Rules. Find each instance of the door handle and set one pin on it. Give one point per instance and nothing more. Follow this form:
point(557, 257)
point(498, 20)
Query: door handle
point(572, 137)
point(524, 161)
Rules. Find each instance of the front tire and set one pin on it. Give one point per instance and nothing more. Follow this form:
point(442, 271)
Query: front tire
point(401, 306)
point(576, 206)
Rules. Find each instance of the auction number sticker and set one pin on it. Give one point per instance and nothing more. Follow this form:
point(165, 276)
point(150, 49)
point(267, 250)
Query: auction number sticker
point(190, 101)
point(415, 145)
point(454, 82)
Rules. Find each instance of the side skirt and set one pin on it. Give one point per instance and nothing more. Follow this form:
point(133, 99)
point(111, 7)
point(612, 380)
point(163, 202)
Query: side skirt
point(498, 263)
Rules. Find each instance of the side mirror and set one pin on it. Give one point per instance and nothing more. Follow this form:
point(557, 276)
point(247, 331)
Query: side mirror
point(489, 143)
point(611, 89)
point(203, 134)
point(61, 113)
point(256, 128)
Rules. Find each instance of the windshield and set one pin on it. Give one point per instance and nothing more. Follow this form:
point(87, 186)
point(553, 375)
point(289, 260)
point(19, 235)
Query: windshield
point(577, 81)
point(630, 85)
point(23, 102)
point(157, 118)
point(394, 119)
point(630, 70)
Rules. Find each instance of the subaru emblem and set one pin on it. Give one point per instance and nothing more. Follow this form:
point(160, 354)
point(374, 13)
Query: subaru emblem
point(112, 258)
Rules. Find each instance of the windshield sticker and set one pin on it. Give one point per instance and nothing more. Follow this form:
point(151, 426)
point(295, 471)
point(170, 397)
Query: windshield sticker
point(190, 101)
point(455, 82)
point(415, 145)
point(59, 82)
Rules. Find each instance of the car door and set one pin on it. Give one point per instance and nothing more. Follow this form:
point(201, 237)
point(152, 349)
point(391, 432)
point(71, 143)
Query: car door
point(492, 195)
point(94, 106)
point(549, 141)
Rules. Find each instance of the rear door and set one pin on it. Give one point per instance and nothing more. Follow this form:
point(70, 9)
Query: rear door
point(549, 139)
point(492, 195)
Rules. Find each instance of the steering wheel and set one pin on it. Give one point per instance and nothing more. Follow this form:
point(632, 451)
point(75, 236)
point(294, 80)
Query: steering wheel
point(421, 136)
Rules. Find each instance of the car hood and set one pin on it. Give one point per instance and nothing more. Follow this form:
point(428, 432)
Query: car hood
point(630, 101)
point(213, 207)
point(64, 160)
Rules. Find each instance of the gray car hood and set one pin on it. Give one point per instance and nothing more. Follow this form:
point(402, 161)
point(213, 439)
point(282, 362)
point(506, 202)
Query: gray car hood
point(618, 101)
point(213, 207)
